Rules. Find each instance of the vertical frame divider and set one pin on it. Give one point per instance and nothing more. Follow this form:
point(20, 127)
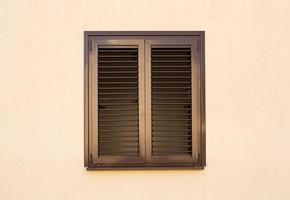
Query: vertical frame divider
point(86, 100)
point(148, 101)
point(141, 97)
point(195, 92)
point(93, 101)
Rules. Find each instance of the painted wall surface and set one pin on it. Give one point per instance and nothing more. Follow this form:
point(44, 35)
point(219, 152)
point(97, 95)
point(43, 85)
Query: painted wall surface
point(247, 99)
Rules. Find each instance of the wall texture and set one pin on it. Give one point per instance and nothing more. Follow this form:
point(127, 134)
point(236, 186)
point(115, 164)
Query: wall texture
point(247, 91)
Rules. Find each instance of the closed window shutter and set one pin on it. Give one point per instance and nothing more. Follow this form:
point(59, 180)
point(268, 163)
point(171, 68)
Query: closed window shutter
point(171, 133)
point(120, 133)
point(171, 100)
point(118, 125)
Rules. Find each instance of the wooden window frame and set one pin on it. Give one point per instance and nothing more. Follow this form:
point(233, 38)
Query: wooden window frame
point(197, 161)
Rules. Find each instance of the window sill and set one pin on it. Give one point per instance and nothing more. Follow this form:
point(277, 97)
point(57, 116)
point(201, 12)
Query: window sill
point(146, 167)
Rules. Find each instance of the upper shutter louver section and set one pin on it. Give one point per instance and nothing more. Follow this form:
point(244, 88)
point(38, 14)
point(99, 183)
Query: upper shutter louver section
point(118, 102)
point(171, 111)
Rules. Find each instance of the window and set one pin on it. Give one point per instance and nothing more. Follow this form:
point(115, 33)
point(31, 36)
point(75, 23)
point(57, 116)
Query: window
point(144, 100)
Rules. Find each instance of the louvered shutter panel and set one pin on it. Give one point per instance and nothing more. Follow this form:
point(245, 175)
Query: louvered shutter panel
point(120, 135)
point(171, 100)
point(171, 134)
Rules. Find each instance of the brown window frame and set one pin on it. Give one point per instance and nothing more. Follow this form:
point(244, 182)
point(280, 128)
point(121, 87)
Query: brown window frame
point(197, 38)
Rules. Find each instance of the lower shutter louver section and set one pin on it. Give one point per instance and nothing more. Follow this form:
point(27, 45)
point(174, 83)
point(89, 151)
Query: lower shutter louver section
point(118, 101)
point(171, 100)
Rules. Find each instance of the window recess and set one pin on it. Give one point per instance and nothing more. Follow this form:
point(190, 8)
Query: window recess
point(144, 101)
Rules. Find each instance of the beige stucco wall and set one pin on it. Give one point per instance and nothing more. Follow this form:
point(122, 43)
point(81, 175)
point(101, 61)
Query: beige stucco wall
point(247, 91)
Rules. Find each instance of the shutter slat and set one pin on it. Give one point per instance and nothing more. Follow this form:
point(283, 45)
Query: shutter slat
point(118, 114)
point(172, 66)
point(171, 100)
point(171, 56)
point(116, 67)
point(110, 71)
point(117, 56)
